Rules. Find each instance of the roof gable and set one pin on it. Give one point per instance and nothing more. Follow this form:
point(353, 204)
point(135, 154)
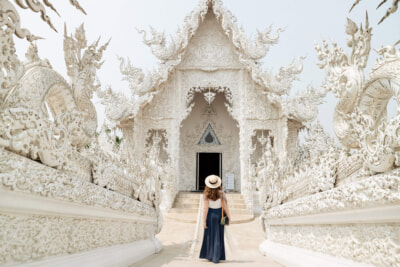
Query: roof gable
point(249, 51)
point(210, 48)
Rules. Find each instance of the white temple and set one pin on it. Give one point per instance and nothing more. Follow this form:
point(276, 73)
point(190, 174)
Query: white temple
point(69, 195)
point(209, 101)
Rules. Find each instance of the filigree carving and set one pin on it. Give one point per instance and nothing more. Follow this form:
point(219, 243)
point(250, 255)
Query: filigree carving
point(33, 237)
point(48, 182)
point(375, 244)
point(225, 90)
point(382, 189)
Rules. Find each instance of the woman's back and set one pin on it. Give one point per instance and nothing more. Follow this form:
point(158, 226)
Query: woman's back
point(214, 204)
point(213, 247)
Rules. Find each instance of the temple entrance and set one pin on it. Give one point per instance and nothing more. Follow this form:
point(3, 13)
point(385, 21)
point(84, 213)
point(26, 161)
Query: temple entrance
point(205, 134)
point(207, 163)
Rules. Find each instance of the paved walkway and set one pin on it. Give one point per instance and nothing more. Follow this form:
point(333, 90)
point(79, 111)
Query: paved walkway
point(180, 248)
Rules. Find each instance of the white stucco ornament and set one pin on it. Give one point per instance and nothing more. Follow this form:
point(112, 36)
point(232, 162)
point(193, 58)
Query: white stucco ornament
point(208, 107)
point(69, 190)
point(346, 196)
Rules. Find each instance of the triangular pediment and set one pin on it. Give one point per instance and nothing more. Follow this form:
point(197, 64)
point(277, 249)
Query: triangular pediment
point(210, 48)
point(209, 137)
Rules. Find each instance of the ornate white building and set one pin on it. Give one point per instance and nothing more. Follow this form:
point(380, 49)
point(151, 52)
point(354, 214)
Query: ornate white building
point(209, 100)
point(69, 195)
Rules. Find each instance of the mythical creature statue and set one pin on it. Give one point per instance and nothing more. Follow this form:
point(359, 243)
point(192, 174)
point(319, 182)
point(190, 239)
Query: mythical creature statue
point(360, 117)
point(261, 45)
point(35, 97)
point(158, 44)
point(265, 167)
point(81, 66)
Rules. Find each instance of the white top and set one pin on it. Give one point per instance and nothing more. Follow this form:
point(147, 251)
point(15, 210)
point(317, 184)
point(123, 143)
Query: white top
point(214, 204)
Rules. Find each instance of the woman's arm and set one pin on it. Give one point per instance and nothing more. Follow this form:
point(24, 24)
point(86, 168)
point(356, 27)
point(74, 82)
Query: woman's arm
point(205, 211)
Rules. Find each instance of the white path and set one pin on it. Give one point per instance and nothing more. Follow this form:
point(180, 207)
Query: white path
point(242, 242)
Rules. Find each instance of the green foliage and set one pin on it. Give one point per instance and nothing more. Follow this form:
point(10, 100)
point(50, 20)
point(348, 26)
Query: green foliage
point(118, 141)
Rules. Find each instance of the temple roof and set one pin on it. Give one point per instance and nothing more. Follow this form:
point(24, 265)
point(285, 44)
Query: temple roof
point(249, 52)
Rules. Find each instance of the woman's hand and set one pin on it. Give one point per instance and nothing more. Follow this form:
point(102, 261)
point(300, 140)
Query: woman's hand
point(205, 225)
point(229, 220)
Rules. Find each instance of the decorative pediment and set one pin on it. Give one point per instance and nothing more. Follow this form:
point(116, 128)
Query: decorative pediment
point(209, 137)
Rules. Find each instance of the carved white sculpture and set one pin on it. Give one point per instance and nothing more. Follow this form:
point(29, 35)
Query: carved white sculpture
point(316, 193)
point(55, 176)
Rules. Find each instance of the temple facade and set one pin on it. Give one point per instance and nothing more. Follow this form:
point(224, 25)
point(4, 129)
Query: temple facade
point(210, 103)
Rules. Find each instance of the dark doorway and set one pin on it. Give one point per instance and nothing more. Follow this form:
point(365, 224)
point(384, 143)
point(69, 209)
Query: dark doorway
point(207, 163)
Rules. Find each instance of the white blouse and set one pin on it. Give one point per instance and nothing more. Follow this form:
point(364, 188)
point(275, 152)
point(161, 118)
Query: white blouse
point(214, 204)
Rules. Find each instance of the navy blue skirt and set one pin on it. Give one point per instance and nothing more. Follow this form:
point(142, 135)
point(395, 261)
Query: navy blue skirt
point(213, 247)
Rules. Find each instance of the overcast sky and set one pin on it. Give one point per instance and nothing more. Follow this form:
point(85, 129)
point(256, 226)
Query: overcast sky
point(306, 21)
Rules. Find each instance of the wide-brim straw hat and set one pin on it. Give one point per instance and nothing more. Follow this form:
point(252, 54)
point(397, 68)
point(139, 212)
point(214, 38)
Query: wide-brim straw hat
point(213, 181)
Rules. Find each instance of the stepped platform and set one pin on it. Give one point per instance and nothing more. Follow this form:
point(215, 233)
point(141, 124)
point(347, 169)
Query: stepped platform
point(186, 208)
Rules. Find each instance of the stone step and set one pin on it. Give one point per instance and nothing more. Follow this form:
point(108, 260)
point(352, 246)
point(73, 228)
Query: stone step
point(237, 206)
point(192, 217)
point(179, 210)
point(194, 209)
point(239, 211)
point(187, 200)
point(189, 195)
point(197, 195)
point(232, 203)
point(186, 205)
point(234, 196)
point(182, 217)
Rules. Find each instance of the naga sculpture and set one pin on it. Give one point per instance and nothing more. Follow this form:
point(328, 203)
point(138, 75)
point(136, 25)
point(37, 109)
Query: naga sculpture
point(261, 45)
point(34, 97)
point(81, 67)
point(360, 117)
point(158, 44)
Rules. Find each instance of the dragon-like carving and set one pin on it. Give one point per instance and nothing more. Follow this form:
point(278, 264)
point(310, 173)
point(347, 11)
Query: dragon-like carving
point(139, 83)
point(302, 106)
point(41, 89)
point(261, 45)
point(281, 83)
point(81, 66)
point(345, 76)
point(158, 44)
point(360, 117)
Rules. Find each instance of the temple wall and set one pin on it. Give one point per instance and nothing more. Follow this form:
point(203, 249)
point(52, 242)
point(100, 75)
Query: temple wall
point(49, 217)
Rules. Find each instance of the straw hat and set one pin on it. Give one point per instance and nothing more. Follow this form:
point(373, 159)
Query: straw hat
point(213, 181)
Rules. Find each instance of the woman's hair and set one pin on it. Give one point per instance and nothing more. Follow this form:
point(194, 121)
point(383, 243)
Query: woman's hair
point(212, 193)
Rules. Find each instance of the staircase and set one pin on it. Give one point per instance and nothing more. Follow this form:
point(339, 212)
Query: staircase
point(186, 208)
point(237, 207)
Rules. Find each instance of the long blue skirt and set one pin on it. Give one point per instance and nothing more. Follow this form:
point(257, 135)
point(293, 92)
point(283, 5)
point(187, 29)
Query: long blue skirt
point(213, 247)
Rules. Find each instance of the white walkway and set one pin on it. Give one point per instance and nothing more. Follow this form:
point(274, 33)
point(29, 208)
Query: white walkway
point(241, 242)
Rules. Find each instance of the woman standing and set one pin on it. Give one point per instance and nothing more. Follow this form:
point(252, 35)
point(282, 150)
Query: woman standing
point(213, 247)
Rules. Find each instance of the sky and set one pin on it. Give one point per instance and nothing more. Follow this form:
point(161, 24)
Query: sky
point(306, 21)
